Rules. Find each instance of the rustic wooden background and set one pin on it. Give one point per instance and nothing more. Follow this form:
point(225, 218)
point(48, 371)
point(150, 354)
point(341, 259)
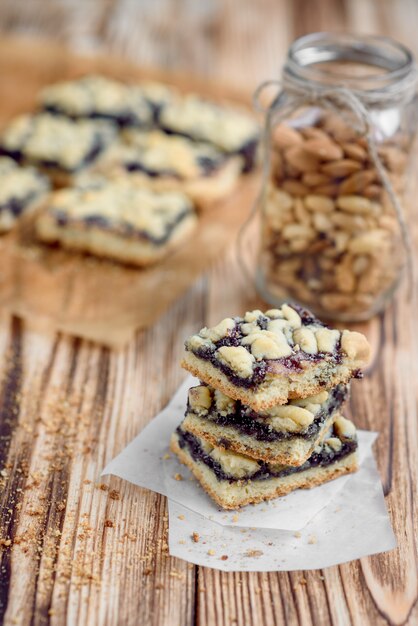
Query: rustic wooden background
point(78, 550)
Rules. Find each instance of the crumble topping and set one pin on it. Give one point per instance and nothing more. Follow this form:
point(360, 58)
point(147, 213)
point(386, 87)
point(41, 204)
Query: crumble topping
point(122, 207)
point(50, 140)
point(244, 348)
point(219, 331)
point(296, 417)
point(228, 128)
point(238, 359)
point(233, 466)
point(19, 186)
point(156, 94)
point(224, 404)
point(158, 154)
point(97, 96)
point(344, 428)
point(200, 399)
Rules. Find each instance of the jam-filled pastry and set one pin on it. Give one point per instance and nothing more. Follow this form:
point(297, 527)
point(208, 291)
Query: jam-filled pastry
point(264, 359)
point(21, 190)
point(165, 162)
point(233, 480)
point(98, 97)
point(117, 220)
point(286, 433)
point(58, 146)
point(230, 129)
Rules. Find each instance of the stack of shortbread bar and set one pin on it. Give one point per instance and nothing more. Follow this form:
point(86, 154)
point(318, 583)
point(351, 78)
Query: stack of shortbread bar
point(266, 419)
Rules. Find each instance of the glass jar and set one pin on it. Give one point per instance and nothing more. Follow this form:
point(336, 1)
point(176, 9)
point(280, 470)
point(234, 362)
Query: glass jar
point(337, 153)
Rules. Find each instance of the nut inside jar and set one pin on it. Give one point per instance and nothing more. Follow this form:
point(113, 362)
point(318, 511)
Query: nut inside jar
point(334, 234)
point(330, 235)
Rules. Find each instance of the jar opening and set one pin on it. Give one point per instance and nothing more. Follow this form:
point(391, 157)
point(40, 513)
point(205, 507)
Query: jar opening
point(360, 63)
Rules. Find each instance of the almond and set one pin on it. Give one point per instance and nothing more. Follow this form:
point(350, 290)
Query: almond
point(346, 281)
point(341, 168)
point(284, 136)
point(347, 222)
point(330, 190)
point(354, 151)
point(301, 214)
point(393, 158)
point(357, 182)
point(324, 149)
point(292, 231)
point(313, 132)
point(301, 160)
point(336, 301)
point(354, 204)
point(313, 179)
point(315, 202)
point(372, 191)
point(322, 223)
point(371, 242)
point(295, 188)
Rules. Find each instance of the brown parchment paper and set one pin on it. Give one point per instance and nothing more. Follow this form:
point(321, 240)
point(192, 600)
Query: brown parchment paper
point(84, 296)
point(104, 301)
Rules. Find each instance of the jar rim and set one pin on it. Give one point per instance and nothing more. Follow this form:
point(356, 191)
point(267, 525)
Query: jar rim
point(382, 53)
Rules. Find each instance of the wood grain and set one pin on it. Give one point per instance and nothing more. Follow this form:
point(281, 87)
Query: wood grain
point(85, 551)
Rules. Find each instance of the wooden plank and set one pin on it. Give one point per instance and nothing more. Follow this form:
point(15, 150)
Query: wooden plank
point(83, 546)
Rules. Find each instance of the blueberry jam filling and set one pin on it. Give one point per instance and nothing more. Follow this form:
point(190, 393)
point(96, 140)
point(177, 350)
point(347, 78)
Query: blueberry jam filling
point(19, 156)
point(15, 206)
point(121, 228)
point(295, 362)
point(136, 166)
point(247, 151)
point(251, 424)
point(208, 165)
point(326, 456)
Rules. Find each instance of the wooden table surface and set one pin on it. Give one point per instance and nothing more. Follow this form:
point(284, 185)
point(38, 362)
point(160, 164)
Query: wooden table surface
point(78, 550)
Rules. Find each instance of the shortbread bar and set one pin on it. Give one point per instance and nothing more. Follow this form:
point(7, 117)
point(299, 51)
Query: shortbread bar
point(234, 480)
point(264, 359)
point(286, 434)
point(98, 97)
point(230, 129)
point(165, 162)
point(58, 146)
point(118, 220)
point(21, 190)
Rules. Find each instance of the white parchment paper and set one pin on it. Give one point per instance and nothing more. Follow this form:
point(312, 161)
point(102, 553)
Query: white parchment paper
point(354, 524)
point(144, 462)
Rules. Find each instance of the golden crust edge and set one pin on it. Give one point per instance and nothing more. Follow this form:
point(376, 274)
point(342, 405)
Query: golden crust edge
point(217, 379)
point(340, 470)
point(183, 231)
point(284, 459)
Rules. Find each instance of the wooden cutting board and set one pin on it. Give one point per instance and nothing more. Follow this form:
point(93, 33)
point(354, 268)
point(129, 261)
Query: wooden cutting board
point(60, 290)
